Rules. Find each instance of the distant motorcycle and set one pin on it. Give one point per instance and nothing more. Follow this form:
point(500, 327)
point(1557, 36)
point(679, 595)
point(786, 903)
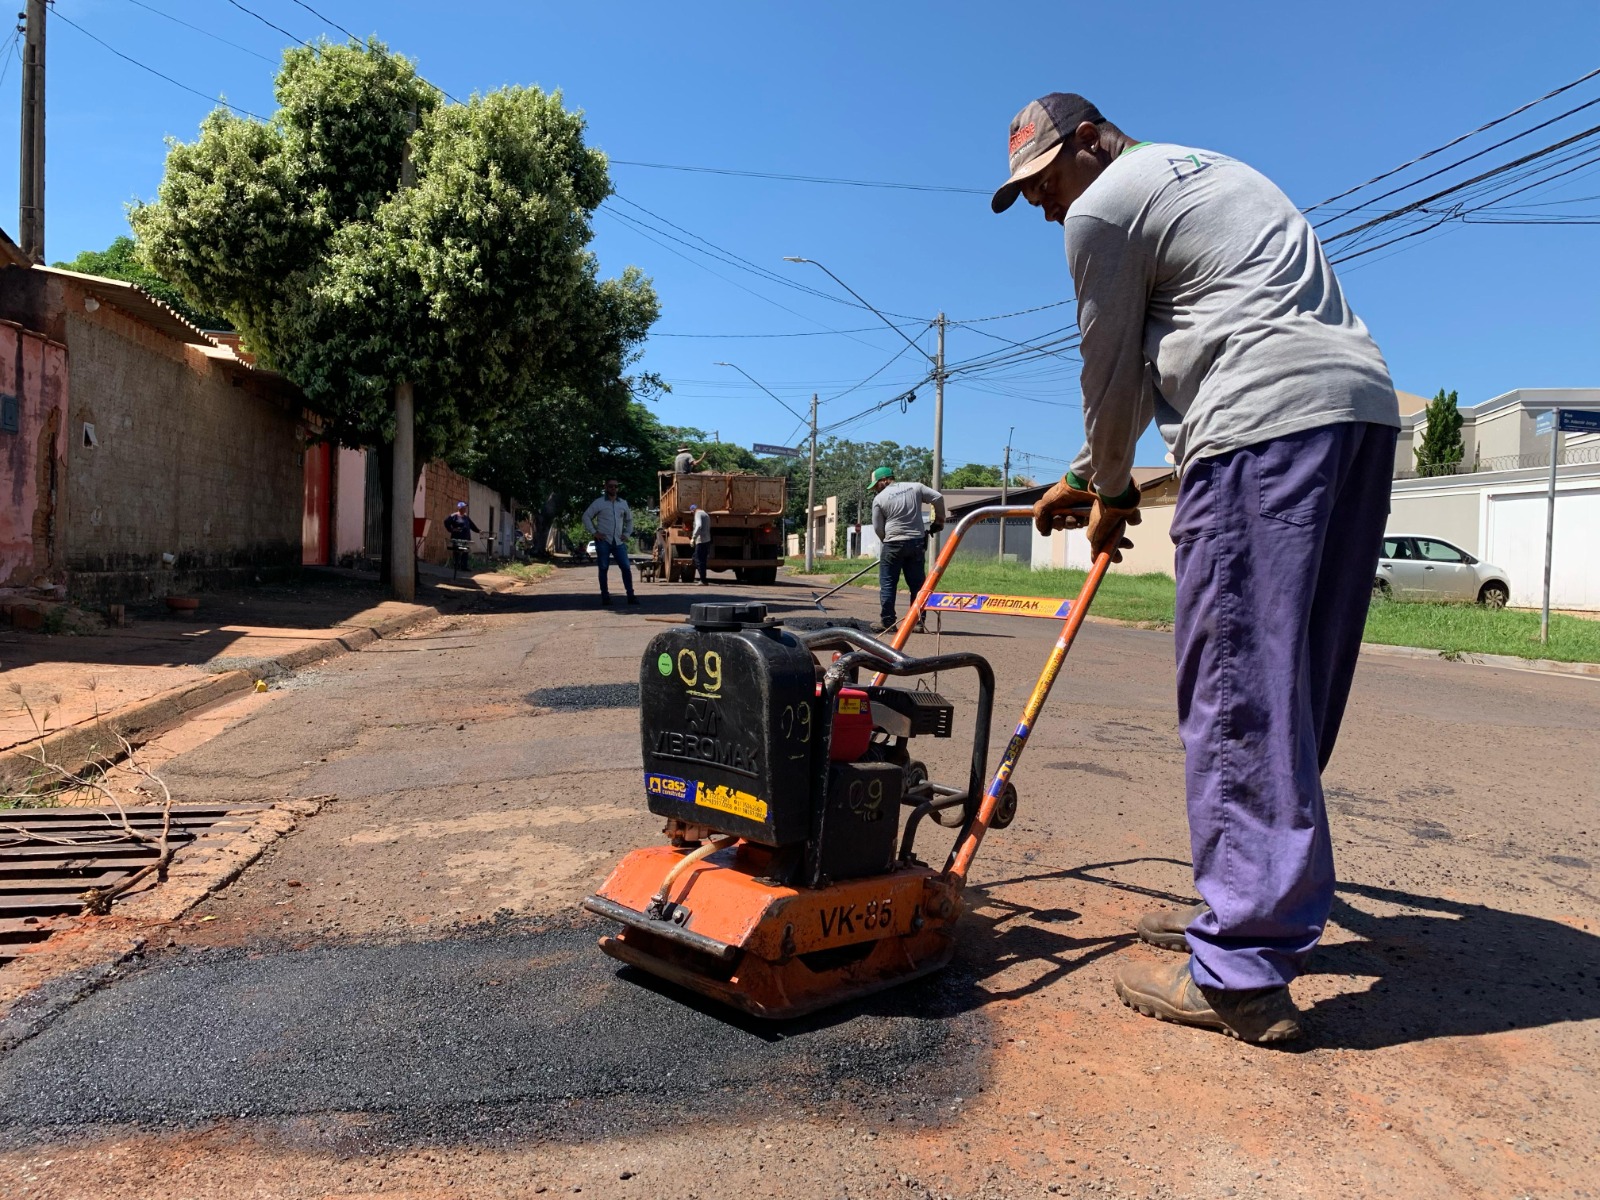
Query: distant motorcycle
point(460, 556)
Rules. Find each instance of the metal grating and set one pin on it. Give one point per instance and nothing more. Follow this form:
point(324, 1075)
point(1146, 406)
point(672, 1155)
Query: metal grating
point(42, 880)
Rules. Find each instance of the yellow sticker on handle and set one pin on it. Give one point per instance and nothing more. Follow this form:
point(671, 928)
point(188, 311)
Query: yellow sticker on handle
point(730, 800)
point(850, 706)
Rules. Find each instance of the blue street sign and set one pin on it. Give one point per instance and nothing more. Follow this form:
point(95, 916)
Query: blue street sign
point(775, 451)
point(1544, 423)
point(1578, 420)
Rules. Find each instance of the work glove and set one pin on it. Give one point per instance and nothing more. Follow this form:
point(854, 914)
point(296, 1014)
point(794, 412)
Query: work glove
point(1065, 506)
point(935, 526)
point(1109, 521)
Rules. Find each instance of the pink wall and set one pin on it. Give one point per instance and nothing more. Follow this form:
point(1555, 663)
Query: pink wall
point(33, 481)
point(350, 505)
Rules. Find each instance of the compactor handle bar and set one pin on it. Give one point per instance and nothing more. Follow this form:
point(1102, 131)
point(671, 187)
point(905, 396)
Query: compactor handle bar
point(966, 847)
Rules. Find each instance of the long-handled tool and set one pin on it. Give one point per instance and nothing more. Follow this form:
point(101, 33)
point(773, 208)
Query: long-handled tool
point(817, 600)
point(786, 883)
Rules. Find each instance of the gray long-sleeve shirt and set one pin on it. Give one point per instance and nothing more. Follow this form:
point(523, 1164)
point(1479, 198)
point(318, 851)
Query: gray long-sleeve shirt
point(1206, 303)
point(609, 520)
point(897, 511)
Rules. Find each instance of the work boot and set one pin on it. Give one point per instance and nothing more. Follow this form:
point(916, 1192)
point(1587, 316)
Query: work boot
point(605, 600)
point(883, 626)
point(632, 599)
point(1166, 991)
point(1164, 929)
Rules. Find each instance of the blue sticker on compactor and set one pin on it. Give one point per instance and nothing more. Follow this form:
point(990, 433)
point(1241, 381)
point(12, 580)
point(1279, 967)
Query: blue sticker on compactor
point(669, 786)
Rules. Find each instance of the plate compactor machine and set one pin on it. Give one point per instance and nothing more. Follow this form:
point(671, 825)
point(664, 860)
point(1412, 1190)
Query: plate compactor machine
point(788, 881)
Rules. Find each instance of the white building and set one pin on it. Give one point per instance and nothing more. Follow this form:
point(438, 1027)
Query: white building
point(1493, 504)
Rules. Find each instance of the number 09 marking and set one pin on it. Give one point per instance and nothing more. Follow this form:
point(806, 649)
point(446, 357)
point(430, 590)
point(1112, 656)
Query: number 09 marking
point(711, 664)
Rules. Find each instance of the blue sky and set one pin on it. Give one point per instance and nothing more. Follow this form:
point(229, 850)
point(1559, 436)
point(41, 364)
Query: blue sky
point(1319, 97)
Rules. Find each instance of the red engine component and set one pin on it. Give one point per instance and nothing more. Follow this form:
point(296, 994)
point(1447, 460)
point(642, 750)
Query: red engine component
point(852, 726)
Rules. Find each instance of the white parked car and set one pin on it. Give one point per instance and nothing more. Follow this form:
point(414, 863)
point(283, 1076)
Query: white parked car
point(590, 550)
point(1429, 568)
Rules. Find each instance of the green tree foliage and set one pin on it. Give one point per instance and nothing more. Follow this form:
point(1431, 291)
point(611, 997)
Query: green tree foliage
point(120, 260)
point(1441, 446)
point(725, 457)
point(973, 475)
point(474, 284)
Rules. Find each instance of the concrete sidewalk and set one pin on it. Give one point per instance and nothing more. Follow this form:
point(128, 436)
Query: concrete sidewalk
point(64, 693)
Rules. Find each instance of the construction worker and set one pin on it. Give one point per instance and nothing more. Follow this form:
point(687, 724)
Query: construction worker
point(609, 521)
point(1206, 304)
point(700, 539)
point(686, 462)
point(897, 520)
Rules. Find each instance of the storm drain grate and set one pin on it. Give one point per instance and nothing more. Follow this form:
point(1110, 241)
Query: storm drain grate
point(587, 695)
point(50, 856)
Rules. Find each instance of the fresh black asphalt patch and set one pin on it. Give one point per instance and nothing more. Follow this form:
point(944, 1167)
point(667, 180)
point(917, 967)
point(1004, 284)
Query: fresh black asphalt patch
point(507, 1032)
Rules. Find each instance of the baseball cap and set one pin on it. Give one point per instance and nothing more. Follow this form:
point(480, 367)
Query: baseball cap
point(461, 503)
point(882, 473)
point(692, 507)
point(1037, 134)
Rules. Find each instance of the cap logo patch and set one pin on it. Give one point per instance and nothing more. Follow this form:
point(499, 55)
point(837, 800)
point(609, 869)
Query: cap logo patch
point(1022, 135)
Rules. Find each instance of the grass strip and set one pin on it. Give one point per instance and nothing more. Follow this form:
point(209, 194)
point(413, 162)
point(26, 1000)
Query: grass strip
point(1451, 629)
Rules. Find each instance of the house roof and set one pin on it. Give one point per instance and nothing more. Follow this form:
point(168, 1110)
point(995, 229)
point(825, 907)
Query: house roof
point(1149, 479)
point(133, 300)
point(1533, 400)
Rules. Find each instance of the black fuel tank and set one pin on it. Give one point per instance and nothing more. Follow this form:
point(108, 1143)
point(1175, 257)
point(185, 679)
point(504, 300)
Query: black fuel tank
point(729, 720)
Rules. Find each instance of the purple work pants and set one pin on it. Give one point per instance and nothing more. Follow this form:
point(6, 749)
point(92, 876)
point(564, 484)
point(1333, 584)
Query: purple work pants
point(1277, 548)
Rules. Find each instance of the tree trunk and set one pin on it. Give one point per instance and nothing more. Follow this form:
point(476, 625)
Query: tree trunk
point(385, 453)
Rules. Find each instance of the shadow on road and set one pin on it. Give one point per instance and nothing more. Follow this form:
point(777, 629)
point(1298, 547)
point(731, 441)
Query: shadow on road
point(1450, 969)
point(1443, 968)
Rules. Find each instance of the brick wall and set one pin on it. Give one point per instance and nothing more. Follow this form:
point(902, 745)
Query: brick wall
point(440, 489)
point(194, 457)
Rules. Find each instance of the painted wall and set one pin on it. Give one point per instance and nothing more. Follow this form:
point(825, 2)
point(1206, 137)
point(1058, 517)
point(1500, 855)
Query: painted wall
point(1152, 546)
point(191, 456)
point(349, 503)
point(33, 387)
point(1500, 517)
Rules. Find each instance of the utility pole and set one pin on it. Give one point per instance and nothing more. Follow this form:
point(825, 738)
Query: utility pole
point(938, 422)
point(30, 175)
point(403, 558)
point(1550, 524)
point(811, 492)
point(1005, 486)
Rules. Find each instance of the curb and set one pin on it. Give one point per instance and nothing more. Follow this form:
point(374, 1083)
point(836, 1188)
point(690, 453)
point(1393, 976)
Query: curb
point(76, 748)
point(1543, 666)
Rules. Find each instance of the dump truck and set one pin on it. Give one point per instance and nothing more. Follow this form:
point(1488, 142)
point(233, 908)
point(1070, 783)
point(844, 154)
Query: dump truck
point(746, 523)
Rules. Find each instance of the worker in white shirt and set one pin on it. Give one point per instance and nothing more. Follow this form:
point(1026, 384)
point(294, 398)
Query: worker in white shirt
point(609, 521)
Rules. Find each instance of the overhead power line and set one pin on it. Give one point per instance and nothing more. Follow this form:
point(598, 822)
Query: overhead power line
point(327, 20)
point(1493, 172)
point(201, 29)
point(269, 24)
point(61, 16)
point(1566, 87)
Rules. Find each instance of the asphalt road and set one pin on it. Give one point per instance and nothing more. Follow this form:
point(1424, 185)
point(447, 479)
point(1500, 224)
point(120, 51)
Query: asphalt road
point(401, 999)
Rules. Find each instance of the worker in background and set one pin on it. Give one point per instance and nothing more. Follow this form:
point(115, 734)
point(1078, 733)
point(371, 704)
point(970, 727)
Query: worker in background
point(1206, 304)
point(609, 521)
point(686, 462)
point(700, 539)
point(459, 525)
point(897, 520)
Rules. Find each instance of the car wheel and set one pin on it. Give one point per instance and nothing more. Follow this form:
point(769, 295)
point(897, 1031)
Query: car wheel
point(1493, 595)
point(1381, 590)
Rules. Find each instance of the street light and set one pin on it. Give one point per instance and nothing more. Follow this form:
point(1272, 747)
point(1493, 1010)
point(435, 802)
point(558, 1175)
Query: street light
point(811, 486)
point(936, 359)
